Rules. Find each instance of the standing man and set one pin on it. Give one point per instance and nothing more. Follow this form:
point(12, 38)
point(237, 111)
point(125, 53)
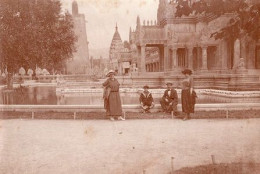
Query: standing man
point(169, 100)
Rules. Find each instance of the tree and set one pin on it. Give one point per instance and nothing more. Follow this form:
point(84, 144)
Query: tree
point(35, 33)
point(245, 21)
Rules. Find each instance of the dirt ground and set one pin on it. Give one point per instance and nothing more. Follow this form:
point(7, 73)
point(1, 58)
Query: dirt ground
point(223, 168)
point(131, 146)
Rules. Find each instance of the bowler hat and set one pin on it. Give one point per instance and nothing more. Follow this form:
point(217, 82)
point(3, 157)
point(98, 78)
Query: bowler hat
point(146, 87)
point(168, 83)
point(187, 71)
point(110, 72)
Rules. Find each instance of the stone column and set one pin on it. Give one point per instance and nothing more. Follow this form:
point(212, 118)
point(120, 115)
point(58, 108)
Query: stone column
point(204, 58)
point(199, 61)
point(190, 58)
point(138, 61)
point(174, 58)
point(186, 58)
point(243, 44)
point(251, 55)
point(119, 68)
point(218, 60)
point(224, 54)
point(134, 67)
point(236, 53)
point(166, 60)
point(161, 63)
point(142, 62)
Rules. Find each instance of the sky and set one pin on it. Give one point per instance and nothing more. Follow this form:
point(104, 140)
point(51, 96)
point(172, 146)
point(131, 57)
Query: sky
point(102, 16)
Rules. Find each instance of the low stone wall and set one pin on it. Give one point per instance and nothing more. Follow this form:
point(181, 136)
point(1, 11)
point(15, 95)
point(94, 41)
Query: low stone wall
point(224, 93)
point(202, 111)
point(126, 108)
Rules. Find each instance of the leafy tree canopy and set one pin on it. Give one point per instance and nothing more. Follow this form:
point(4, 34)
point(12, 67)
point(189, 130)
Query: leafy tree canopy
point(246, 20)
point(35, 32)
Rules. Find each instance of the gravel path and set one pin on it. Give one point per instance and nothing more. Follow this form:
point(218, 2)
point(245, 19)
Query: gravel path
point(101, 146)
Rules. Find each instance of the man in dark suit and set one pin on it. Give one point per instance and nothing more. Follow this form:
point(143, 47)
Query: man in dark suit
point(169, 100)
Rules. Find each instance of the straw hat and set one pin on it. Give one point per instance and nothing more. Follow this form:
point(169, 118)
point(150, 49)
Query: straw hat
point(187, 71)
point(110, 72)
point(169, 83)
point(146, 87)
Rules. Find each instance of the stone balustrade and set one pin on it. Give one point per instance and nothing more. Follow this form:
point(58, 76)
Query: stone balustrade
point(232, 93)
point(212, 92)
point(126, 108)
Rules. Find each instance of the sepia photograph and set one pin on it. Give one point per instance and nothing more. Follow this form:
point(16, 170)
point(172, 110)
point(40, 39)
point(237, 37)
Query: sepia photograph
point(129, 86)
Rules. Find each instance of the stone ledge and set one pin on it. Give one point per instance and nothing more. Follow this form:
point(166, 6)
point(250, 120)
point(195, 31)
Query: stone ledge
point(126, 108)
point(161, 91)
point(245, 114)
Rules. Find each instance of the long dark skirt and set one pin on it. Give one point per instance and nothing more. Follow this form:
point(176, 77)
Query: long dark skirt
point(114, 107)
point(187, 101)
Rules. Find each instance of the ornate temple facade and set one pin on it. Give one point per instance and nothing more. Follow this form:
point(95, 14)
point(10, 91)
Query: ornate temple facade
point(80, 63)
point(173, 43)
point(120, 57)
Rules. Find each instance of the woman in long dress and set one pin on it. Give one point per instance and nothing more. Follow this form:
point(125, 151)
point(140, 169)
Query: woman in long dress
point(112, 101)
point(188, 95)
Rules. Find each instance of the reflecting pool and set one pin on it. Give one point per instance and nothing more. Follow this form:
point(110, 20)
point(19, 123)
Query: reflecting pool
point(46, 95)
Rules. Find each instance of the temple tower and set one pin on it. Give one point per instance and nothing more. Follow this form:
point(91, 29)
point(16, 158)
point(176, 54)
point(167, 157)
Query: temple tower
point(75, 10)
point(80, 60)
point(116, 46)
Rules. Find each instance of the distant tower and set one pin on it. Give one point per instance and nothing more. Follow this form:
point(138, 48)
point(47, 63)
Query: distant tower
point(81, 56)
point(80, 30)
point(75, 9)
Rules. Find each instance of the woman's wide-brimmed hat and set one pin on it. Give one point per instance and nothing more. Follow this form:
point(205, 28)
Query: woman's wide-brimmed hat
point(110, 72)
point(187, 71)
point(169, 83)
point(146, 87)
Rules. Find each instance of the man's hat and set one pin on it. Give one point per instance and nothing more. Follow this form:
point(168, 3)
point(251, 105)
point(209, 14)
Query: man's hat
point(146, 87)
point(168, 83)
point(187, 71)
point(110, 72)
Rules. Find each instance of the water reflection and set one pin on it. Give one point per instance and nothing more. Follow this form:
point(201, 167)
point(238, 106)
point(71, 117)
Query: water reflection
point(46, 95)
point(34, 96)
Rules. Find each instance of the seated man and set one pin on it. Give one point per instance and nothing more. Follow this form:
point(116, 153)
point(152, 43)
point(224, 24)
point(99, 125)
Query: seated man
point(146, 100)
point(169, 100)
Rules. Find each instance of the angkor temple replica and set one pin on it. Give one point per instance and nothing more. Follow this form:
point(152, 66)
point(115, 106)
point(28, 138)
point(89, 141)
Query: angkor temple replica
point(171, 43)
